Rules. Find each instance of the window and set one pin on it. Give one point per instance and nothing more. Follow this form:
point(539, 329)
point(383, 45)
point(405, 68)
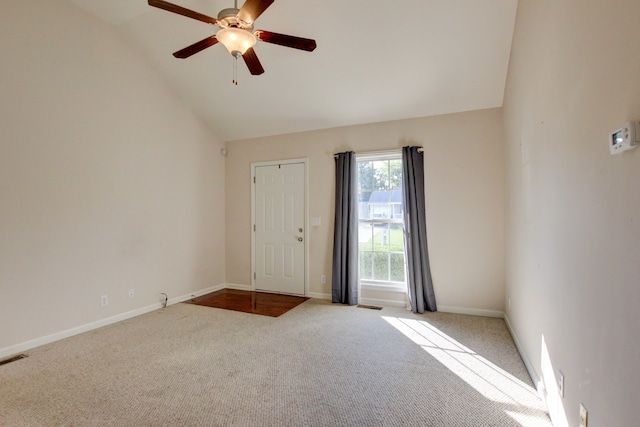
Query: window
point(380, 221)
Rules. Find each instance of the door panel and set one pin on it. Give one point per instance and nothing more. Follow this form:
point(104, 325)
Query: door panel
point(279, 228)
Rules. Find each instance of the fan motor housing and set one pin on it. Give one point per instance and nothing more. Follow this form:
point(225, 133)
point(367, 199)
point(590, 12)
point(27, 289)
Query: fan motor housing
point(228, 18)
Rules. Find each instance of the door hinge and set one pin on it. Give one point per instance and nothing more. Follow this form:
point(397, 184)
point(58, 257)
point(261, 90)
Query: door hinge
point(254, 179)
point(254, 276)
point(254, 228)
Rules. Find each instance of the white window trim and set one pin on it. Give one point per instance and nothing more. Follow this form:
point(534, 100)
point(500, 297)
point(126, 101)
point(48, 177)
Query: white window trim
point(379, 155)
point(370, 284)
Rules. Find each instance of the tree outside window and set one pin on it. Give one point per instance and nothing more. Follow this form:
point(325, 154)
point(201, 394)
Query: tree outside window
point(381, 228)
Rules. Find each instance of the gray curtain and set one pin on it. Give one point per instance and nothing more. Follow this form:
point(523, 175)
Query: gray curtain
point(344, 283)
point(419, 282)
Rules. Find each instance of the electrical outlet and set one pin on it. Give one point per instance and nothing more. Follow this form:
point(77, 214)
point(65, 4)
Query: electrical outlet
point(323, 279)
point(104, 300)
point(584, 416)
point(561, 384)
point(132, 293)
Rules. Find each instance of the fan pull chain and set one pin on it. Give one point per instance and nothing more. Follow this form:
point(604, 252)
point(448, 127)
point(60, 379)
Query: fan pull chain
point(235, 71)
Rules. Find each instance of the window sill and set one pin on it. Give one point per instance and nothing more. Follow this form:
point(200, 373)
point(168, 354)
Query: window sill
point(400, 288)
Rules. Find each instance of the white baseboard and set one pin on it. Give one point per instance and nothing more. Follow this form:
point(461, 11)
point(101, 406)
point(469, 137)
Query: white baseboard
point(367, 301)
point(537, 381)
point(37, 342)
point(395, 303)
point(28, 345)
point(471, 311)
point(195, 294)
point(237, 287)
point(319, 295)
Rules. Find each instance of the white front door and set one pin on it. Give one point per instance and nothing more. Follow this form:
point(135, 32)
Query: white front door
point(280, 228)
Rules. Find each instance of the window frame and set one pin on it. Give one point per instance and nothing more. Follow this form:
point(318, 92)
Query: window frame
point(372, 284)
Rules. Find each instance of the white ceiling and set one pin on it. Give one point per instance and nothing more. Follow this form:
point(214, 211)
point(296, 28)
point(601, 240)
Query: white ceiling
point(375, 61)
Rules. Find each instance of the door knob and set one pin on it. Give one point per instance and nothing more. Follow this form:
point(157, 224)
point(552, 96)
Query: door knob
point(299, 239)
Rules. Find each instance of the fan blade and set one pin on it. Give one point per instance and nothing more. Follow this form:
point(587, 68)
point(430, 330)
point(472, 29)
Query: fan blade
point(252, 61)
point(161, 4)
point(285, 40)
point(196, 47)
point(252, 9)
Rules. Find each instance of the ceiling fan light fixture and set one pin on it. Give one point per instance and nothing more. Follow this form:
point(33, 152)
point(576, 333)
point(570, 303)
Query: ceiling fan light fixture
point(236, 40)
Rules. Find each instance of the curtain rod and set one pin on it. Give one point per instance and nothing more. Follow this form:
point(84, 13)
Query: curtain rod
point(420, 150)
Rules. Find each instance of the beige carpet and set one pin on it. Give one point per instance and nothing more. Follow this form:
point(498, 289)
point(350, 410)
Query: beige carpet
point(317, 365)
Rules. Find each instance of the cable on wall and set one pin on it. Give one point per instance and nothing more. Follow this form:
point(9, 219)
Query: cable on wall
point(166, 299)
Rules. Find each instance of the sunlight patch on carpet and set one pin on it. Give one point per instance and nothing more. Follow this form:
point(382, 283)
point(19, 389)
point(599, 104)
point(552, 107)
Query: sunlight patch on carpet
point(488, 379)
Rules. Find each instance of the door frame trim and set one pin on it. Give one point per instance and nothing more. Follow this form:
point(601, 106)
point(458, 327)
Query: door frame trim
point(307, 234)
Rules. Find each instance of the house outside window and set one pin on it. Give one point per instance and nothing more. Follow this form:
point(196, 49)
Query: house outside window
point(380, 221)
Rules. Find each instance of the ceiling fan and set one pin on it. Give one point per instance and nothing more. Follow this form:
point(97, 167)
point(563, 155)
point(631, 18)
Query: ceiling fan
point(236, 32)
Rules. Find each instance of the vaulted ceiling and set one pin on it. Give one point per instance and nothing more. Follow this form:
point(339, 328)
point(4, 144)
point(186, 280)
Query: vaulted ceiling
point(375, 61)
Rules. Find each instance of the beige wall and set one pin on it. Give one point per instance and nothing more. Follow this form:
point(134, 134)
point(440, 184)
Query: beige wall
point(464, 194)
point(107, 182)
point(573, 210)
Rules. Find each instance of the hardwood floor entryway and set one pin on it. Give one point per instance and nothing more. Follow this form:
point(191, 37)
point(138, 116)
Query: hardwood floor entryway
point(263, 303)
